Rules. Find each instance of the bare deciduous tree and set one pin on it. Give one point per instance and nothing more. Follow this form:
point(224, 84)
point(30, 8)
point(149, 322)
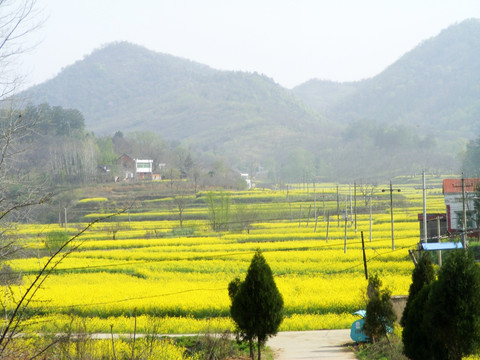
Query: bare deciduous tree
point(366, 190)
point(18, 193)
point(18, 18)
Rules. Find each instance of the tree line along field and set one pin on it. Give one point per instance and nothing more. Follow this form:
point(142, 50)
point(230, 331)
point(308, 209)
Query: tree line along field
point(140, 265)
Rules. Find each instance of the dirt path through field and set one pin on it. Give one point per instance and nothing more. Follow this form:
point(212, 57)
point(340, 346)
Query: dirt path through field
point(295, 345)
point(311, 345)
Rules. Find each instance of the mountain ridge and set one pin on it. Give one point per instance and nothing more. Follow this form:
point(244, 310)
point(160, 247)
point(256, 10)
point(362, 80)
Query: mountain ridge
point(435, 85)
point(419, 111)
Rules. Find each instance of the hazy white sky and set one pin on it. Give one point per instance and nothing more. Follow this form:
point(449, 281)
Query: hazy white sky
point(290, 41)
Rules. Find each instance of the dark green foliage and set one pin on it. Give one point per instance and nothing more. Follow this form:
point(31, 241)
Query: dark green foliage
point(452, 310)
point(476, 204)
point(415, 335)
point(422, 275)
point(443, 320)
point(373, 286)
point(59, 149)
point(233, 288)
point(380, 316)
point(257, 307)
point(55, 121)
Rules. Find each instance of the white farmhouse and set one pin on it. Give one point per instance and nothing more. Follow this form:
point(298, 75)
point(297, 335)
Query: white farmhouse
point(143, 168)
point(247, 179)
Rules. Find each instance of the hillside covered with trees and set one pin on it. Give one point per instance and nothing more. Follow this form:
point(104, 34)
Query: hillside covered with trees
point(433, 88)
point(417, 114)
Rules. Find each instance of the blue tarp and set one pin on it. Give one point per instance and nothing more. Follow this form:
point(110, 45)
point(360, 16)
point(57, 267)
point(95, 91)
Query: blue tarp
point(362, 313)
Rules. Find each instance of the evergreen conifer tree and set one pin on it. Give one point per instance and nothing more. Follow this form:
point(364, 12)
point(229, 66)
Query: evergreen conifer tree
point(380, 315)
point(414, 335)
point(257, 305)
point(423, 274)
point(452, 311)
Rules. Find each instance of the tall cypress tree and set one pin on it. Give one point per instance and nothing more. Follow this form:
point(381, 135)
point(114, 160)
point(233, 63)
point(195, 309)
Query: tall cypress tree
point(443, 320)
point(423, 274)
point(452, 311)
point(414, 336)
point(257, 306)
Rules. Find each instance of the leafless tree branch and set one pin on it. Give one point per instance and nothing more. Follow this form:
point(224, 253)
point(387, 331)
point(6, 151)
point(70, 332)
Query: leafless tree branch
point(56, 258)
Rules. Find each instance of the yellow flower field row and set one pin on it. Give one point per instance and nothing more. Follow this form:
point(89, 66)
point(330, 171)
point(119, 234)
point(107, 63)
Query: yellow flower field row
point(174, 281)
point(122, 268)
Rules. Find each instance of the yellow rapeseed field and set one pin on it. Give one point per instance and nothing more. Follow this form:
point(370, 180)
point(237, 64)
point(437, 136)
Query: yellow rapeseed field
point(124, 269)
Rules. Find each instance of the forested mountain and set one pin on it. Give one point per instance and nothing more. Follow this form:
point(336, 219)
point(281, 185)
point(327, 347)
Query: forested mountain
point(129, 88)
point(416, 114)
point(434, 88)
point(322, 95)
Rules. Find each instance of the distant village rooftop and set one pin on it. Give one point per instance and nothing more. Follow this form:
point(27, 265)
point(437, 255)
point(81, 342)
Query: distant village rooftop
point(453, 186)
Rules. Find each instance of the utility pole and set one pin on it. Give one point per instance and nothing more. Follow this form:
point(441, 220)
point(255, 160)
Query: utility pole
point(464, 214)
point(338, 209)
point(364, 258)
point(65, 219)
point(464, 222)
point(315, 205)
point(323, 203)
point(346, 218)
point(308, 216)
point(300, 216)
point(439, 238)
point(355, 202)
point(425, 240)
point(391, 210)
point(328, 224)
point(351, 206)
point(370, 217)
point(412, 255)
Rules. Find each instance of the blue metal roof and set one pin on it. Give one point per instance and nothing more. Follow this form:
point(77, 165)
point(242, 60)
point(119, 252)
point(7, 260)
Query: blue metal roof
point(442, 246)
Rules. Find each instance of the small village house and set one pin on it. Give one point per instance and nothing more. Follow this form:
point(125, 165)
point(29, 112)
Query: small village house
point(126, 167)
point(130, 168)
point(247, 179)
point(455, 197)
point(143, 169)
